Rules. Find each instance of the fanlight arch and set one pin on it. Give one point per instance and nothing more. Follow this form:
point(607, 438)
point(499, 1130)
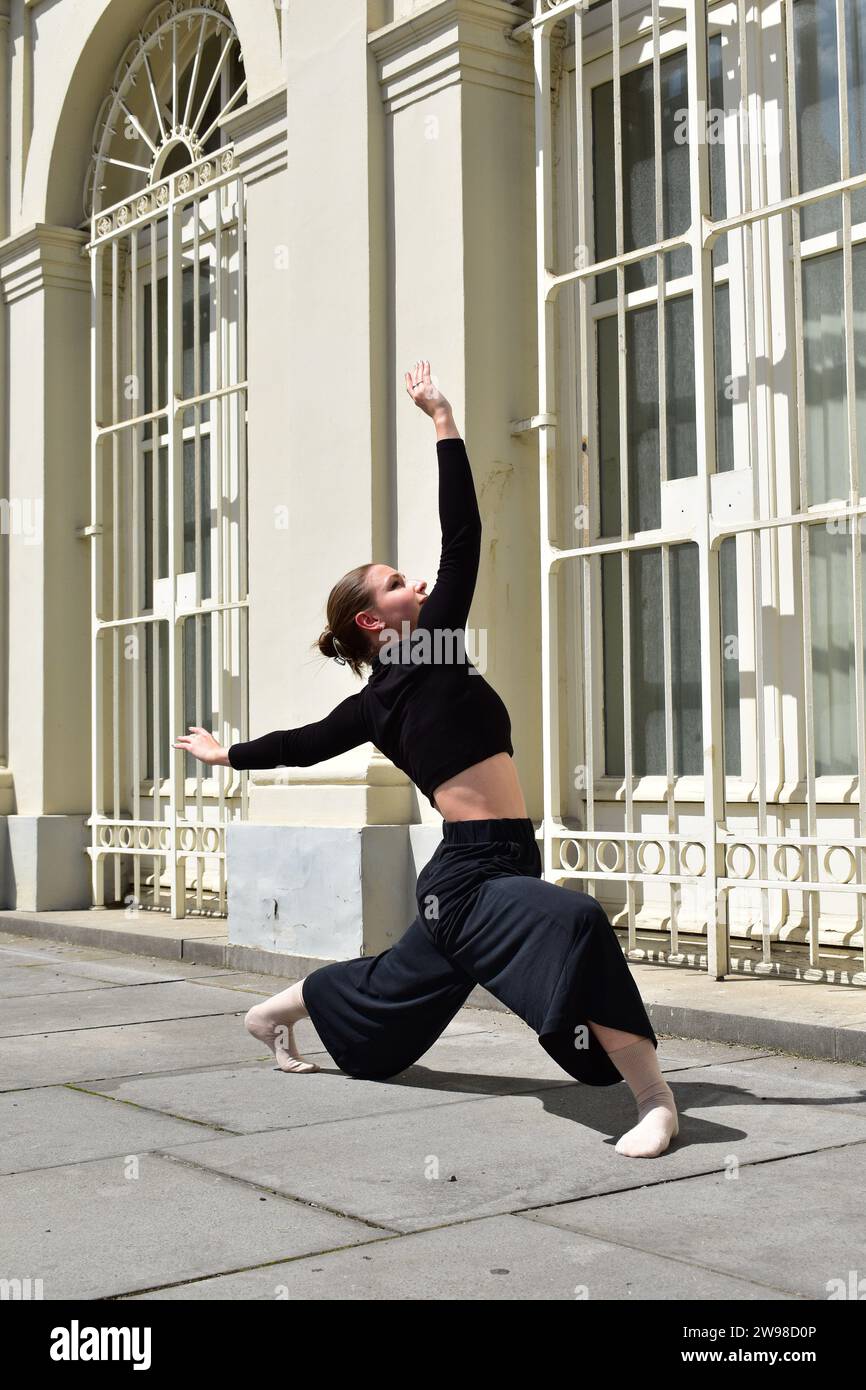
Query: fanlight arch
point(176, 81)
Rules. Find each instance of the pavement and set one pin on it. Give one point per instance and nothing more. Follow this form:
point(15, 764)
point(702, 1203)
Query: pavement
point(151, 1150)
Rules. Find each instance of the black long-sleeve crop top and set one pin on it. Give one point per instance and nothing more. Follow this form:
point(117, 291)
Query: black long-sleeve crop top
point(425, 705)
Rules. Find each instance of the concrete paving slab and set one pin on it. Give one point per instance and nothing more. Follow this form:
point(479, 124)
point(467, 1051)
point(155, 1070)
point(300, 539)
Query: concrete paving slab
point(797, 1225)
point(500, 1056)
point(92, 1230)
point(171, 1045)
point(54, 977)
point(249, 981)
point(485, 1107)
point(819, 1076)
point(266, 1098)
point(502, 1061)
point(36, 979)
point(91, 1054)
point(112, 967)
point(23, 949)
point(675, 1053)
point(496, 1258)
point(788, 1082)
point(810, 1018)
point(55, 1125)
point(505, 1153)
point(99, 1008)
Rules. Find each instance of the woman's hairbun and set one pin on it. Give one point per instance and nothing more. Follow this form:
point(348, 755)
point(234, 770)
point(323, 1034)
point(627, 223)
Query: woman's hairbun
point(347, 598)
point(326, 643)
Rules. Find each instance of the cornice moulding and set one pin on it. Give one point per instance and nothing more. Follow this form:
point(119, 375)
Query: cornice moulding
point(452, 42)
point(259, 133)
point(267, 112)
point(42, 256)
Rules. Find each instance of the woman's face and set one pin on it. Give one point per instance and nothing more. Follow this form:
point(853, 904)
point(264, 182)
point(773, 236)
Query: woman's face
point(397, 600)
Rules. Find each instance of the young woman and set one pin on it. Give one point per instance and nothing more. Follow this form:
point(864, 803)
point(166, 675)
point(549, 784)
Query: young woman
point(485, 914)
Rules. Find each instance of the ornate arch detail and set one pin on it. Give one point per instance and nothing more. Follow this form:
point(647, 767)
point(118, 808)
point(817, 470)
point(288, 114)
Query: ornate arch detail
point(174, 83)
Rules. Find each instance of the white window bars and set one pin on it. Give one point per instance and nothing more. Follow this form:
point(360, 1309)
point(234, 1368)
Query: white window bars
point(704, 731)
point(168, 471)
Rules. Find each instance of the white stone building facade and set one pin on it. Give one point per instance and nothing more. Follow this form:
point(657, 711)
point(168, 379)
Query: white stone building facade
point(227, 228)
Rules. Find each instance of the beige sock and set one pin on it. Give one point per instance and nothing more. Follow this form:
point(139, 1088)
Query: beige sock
point(272, 1023)
point(657, 1123)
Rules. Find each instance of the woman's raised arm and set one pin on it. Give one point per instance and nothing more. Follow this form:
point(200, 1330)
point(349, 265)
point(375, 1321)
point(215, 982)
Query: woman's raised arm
point(447, 606)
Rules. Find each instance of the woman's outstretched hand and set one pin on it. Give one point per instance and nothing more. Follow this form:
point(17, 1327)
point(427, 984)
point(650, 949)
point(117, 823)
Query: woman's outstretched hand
point(424, 392)
point(202, 745)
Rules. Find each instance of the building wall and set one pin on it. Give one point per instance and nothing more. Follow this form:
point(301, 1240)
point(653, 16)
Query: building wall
point(390, 150)
point(390, 170)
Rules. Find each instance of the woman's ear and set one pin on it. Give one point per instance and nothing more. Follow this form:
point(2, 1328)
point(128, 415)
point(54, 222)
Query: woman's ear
point(369, 622)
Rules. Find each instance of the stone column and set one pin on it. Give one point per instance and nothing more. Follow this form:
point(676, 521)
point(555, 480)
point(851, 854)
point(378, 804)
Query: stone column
point(310, 872)
point(45, 284)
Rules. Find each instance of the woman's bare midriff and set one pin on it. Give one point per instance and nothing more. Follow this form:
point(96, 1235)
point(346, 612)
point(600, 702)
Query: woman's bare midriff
point(489, 790)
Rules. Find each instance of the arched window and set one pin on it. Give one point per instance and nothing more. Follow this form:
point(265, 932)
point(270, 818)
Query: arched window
point(167, 245)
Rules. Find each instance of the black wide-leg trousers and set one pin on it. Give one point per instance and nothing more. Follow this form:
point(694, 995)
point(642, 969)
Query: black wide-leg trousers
point(485, 916)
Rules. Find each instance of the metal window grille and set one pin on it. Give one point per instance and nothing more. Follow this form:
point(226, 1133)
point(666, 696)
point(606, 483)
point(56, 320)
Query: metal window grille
point(701, 254)
point(168, 470)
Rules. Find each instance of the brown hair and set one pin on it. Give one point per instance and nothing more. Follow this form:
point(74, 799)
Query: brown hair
point(350, 595)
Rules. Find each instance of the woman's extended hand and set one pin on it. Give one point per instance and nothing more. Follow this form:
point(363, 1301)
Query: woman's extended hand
point(424, 392)
point(202, 745)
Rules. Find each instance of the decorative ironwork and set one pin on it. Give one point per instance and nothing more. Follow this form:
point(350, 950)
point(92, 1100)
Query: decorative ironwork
point(174, 85)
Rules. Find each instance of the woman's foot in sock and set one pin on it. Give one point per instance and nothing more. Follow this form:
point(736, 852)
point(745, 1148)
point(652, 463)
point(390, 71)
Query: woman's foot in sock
point(657, 1121)
point(657, 1125)
point(280, 1039)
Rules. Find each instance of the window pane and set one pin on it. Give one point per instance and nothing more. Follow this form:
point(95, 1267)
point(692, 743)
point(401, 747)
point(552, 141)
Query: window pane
point(855, 40)
point(680, 390)
point(638, 175)
point(612, 657)
point(150, 678)
point(824, 362)
point(643, 410)
point(718, 186)
point(189, 553)
point(607, 386)
point(188, 343)
point(816, 52)
point(154, 501)
point(685, 658)
point(647, 662)
point(725, 385)
point(204, 328)
point(148, 698)
point(834, 692)
point(146, 351)
point(730, 654)
point(826, 403)
point(644, 490)
point(196, 632)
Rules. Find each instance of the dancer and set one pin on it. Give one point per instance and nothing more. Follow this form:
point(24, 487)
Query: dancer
point(485, 914)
